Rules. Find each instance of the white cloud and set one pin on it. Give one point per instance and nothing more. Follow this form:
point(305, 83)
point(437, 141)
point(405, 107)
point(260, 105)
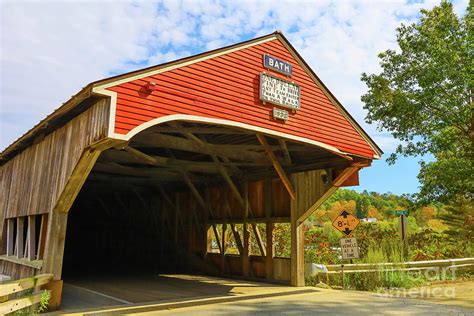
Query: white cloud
point(49, 50)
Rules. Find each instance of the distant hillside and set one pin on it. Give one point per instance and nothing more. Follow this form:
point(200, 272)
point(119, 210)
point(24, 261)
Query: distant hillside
point(375, 205)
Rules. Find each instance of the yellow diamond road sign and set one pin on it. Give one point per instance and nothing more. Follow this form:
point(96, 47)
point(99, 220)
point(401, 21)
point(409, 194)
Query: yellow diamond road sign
point(346, 223)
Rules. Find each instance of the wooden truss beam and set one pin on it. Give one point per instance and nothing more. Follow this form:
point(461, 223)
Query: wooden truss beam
point(126, 157)
point(116, 169)
point(218, 239)
point(235, 232)
point(180, 143)
point(286, 153)
point(231, 184)
point(276, 164)
point(323, 164)
point(258, 237)
point(251, 220)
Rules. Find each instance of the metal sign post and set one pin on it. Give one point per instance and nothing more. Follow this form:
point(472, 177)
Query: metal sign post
point(349, 251)
point(404, 234)
point(346, 223)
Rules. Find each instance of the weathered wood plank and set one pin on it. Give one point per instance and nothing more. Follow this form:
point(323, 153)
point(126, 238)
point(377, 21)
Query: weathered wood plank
point(39, 173)
point(17, 286)
point(19, 303)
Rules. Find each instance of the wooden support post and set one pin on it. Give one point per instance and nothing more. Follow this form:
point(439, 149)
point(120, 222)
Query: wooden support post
point(20, 242)
point(270, 251)
point(269, 230)
point(31, 238)
point(246, 236)
point(277, 166)
point(10, 236)
point(297, 247)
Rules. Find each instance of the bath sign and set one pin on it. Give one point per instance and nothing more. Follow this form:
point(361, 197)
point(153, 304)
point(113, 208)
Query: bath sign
point(278, 65)
point(280, 92)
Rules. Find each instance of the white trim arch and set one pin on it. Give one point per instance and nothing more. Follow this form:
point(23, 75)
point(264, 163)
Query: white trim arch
point(227, 123)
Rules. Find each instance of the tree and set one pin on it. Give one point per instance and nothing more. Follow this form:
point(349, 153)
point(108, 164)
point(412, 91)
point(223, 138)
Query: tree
point(362, 206)
point(460, 218)
point(424, 97)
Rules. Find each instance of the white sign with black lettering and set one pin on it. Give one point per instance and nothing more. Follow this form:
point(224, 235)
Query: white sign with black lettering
point(349, 248)
point(280, 114)
point(279, 91)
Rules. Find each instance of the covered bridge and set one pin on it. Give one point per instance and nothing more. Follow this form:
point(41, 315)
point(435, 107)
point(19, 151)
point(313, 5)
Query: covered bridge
point(157, 168)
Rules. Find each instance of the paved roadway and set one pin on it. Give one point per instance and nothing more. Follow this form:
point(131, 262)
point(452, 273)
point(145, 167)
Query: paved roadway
point(324, 302)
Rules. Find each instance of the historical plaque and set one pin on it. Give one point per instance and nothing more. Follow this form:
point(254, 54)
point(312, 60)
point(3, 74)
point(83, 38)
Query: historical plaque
point(280, 92)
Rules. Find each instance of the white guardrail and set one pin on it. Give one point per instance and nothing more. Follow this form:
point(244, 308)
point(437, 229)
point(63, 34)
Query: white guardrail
point(312, 269)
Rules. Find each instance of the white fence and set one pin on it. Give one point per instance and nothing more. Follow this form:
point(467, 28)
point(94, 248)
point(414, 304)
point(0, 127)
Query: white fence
point(463, 263)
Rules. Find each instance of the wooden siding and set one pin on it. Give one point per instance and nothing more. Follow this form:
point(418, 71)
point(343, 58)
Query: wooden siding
point(310, 188)
point(227, 87)
point(16, 271)
point(32, 181)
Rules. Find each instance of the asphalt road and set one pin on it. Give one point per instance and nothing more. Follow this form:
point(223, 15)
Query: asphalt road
point(324, 302)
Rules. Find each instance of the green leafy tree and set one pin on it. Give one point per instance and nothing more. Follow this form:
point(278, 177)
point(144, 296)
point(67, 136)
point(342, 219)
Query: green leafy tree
point(362, 206)
point(424, 97)
point(460, 218)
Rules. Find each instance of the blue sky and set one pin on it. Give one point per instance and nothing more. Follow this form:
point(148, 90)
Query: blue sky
point(51, 49)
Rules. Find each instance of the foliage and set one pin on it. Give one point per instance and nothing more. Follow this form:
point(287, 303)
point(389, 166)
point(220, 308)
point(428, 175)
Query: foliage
point(459, 215)
point(44, 302)
point(282, 240)
point(365, 204)
point(41, 307)
point(424, 97)
point(318, 247)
